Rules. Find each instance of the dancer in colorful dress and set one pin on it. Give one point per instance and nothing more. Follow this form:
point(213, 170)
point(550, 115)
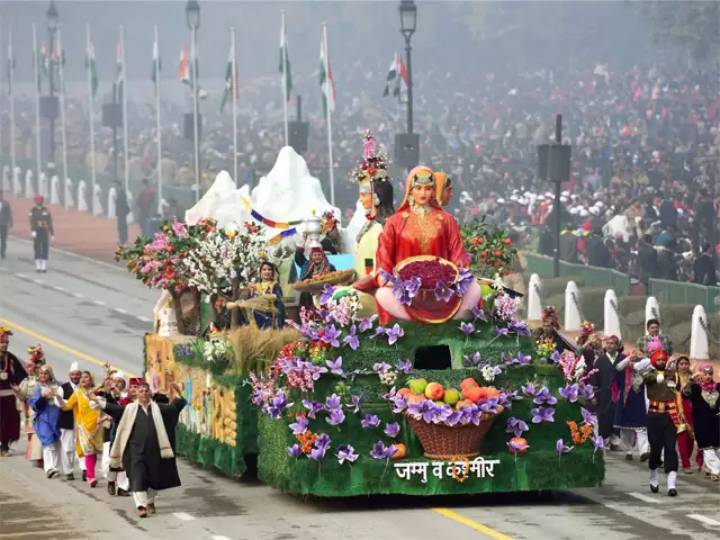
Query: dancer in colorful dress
point(47, 413)
point(12, 374)
point(686, 431)
point(631, 411)
point(269, 285)
point(26, 390)
point(705, 396)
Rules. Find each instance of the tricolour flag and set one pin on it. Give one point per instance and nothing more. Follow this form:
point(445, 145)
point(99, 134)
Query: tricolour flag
point(285, 62)
point(327, 82)
point(397, 76)
point(91, 66)
point(184, 66)
point(230, 84)
point(156, 62)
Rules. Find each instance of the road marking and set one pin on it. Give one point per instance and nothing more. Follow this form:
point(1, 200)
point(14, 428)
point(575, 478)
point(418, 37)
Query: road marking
point(58, 288)
point(143, 319)
point(219, 537)
point(182, 516)
point(78, 295)
point(705, 520)
point(120, 310)
point(475, 525)
point(644, 498)
point(39, 281)
point(58, 345)
point(98, 302)
point(21, 275)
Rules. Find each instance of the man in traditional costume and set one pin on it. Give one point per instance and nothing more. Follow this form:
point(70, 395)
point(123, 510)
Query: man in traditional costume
point(628, 392)
point(144, 444)
point(663, 417)
point(420, 227)
point(12, 374)
point(66, 423)
point(550, 331)
point(41, 225)
point(314, 267)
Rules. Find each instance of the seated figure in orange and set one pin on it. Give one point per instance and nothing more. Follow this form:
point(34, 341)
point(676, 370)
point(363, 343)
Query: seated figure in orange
point(420, 227)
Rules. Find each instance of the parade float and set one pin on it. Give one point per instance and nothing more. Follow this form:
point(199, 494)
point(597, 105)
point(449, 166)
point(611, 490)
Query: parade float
point(347, 399)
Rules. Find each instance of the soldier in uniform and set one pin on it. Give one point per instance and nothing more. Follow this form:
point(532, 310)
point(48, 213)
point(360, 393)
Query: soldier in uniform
point(41, 226)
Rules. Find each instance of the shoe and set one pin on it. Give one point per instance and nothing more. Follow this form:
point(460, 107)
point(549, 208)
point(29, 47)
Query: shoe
point(672, 492)
point(654, 489)
point(92, 483)
point(122, 493)
point(84, 476)
point(614, 447)
point(628, 457)
point(715, 477)
point(151, 508)
point(111, 488)
point(69, 477)
point(645, 456)
point(142, 511)
point(52, 473)
point(687, 470)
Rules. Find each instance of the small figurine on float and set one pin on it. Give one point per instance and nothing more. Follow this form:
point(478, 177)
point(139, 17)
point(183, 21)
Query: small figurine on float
point(268, 286)
point(316, 266)
point(550, 331)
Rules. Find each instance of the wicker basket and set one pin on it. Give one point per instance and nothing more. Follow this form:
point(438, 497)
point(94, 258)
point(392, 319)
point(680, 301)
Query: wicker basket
point(444, 442)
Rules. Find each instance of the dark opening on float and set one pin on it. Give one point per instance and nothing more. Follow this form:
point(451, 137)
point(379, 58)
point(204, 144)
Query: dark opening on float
point(433, 357)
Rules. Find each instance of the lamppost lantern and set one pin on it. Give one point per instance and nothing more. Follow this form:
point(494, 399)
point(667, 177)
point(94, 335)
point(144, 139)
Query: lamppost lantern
point(408, 18)
point(192, 12)
point(52, 17)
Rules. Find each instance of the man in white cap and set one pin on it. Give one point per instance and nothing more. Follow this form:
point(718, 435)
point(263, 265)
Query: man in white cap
point(67, 424)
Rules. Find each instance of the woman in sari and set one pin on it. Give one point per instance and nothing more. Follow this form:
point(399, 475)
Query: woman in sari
point(269, 285)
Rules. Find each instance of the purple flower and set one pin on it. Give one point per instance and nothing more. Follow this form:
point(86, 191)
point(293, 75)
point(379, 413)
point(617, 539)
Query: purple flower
point(333, 402)
point(370, 421)
point(542, 414)
point(381, 367)
point(380, 451)
point(516, 447)
point(278, 405)
point(317, 454)
point(294, 451)
point(401, 293)
point(463, 282)
point(587, 391)
point(335, 366)
point(588, 417)
point(404, 366)
point(412, 286)
point(323, 441)
point(442, 292)
point(554, 358)
point(327, 292)
point(336, 417)
point(379, 331)
point(346, 452)
point(366, 323)
point(394, 333)
point(516, 426)
point(544, 397)
point(479, 313)
point(313, 407)
point(529, 389)
point(392, 430)
point(467, 328)
point(501, 331)
point(520, 328)
point(352, 340)
point(598, 442)
point(520, 359)
point(300, 425)
point(569, 392)
point(561, 447)
point(331, 335)
point(354, 403)
point(474, 360)
point(399, 404)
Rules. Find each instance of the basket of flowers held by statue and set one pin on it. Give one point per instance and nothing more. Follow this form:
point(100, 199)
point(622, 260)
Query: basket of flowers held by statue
point(315, 285)
point(434, 287)
point(449, 423)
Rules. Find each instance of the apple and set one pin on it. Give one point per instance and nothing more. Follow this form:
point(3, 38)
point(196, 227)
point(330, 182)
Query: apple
point(417, 386)
point(468, 382)
point(463, 403)
point(475, 394)
point(415, 398)
point(403, 392)
point(452, 396)
point(434, 391)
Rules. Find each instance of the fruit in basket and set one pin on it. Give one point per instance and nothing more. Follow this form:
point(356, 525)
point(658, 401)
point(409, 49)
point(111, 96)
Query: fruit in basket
point(491, 392)
point(469, 382)
point(417, 386)
point(463, 403)
point(415, 398)
point(474, 394)
point(434, 391)
point(400, 451)
point(403, 392)
point(452, 396)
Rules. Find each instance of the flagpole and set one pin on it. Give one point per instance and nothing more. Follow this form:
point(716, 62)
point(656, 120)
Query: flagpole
point(328, 116)
point(91, 114)
point(63, 132)
point(36, 69)
point(124, 108)
point(158, 129)
point(11, 94)
point(234, 106)
point(284, 76)
point(196, 140)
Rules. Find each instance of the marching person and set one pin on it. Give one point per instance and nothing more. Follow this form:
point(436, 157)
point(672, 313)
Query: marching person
point(144, 444)
point(12, 374)
point(686, 431)
point(662, 418)
point(41, 225)
point(653, 331)
point(6, 223)
point(630, 407)
point(66, 423)
point(705, 396)
point(47, 412)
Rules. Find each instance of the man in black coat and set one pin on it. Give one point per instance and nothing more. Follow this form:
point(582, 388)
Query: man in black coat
point(598, 253)
point(647, 259)
point(704, 268)
point(122, 209)
point(6, 223)
point(602, 381)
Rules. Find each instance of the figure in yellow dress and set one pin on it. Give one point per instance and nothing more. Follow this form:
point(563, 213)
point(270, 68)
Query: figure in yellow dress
point(443, 188)
point(269, 285)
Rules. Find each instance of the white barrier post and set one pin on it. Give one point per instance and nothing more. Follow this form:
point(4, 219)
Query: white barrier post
point(69, 195)
point(611, 315)
point(112, 195)
point(17, 182)
point(81, 197)
point(534, 305)
point(55, 190)
point(43, 186)
point(699, 334)
point(652, 310)
point(97, 207)
point(573, 318)
point(29, 188)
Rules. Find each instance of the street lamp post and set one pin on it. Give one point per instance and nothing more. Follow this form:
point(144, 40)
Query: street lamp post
point(52, 24)
point(192, 11)
point(408, 22)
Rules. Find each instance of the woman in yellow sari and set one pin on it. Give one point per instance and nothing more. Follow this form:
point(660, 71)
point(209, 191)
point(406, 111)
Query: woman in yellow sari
point(89, 437)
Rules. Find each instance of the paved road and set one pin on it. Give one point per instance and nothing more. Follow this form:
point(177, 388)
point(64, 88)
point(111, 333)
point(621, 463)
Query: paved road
point(95, 312)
